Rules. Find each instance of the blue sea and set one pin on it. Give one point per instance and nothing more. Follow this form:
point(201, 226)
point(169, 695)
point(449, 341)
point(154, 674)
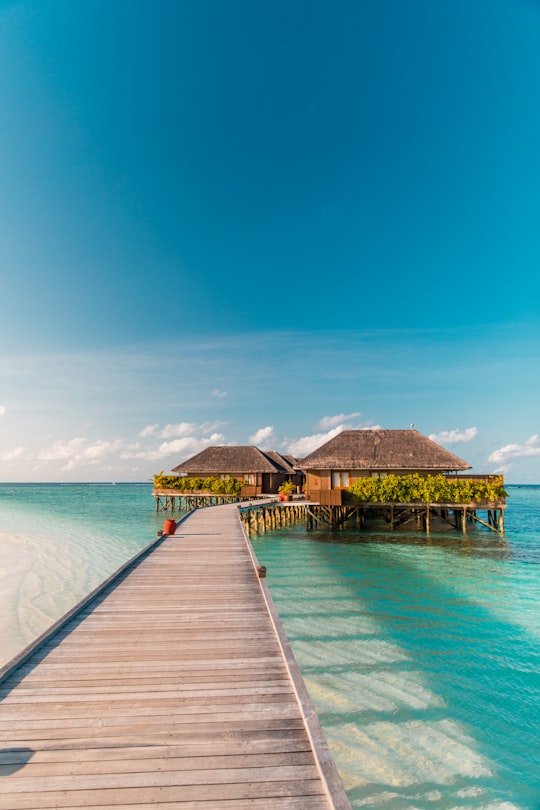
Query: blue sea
point(421, 654)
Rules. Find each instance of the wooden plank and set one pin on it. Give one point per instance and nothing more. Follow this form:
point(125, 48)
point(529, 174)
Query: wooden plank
point(130, 765)
point(275, 803)
point(153, 681)
point(133, 797)
point(96, 780)
point(267, 742)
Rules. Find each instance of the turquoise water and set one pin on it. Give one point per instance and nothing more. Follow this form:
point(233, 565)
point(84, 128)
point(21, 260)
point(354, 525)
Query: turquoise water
point(422, 657)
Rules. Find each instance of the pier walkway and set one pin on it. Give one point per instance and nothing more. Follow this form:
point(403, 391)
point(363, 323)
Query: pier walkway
point(173, 688)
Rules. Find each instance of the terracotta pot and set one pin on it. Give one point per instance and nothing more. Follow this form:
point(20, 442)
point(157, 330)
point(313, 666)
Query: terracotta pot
point(169, 527)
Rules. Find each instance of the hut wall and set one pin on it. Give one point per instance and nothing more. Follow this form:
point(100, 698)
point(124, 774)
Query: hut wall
point(317, 480)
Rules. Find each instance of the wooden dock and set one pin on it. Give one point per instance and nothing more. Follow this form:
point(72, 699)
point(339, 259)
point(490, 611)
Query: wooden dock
point(264, 516)
point(175, 687)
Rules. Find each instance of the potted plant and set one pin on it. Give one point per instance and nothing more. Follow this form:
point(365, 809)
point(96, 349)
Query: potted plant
point(286, 491)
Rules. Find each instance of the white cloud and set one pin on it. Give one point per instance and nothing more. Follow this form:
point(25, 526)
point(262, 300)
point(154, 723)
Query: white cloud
point(328, 422)
point(219, 394)
point(189, 445)
point(456, 435)
point(12, 454)
point(508, 452)
point(80, 451)
point(262, 435)
point(101, 449)
point(182, 447)
point(60, 451)
point(178, 429)
point(307, 444)
point(2, 410)
point(149, 430)
point(183, 439)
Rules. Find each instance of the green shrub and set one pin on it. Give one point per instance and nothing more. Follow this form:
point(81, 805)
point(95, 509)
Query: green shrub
point(427, 489)
point(215, 486)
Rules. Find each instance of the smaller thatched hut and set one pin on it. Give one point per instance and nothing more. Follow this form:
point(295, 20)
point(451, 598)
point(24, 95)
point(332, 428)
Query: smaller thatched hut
point(263, 470)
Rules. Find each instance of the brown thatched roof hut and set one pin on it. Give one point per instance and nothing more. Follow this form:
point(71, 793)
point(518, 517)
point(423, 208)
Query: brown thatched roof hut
point(226, 459)
point(383, 451)
point(265, 470)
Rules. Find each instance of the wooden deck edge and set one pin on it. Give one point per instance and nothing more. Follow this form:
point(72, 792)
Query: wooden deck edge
point(9, 668)
point(337, 797)
point(433, 504)
point(480, 505)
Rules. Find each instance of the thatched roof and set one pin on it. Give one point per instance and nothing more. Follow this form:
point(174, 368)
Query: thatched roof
point(294, 462)
point(286, 463)
point(382, 450)
point(234, 459)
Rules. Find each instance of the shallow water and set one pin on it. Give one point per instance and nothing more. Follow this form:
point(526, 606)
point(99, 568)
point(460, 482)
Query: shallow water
point(422, 657)
point(57, 543)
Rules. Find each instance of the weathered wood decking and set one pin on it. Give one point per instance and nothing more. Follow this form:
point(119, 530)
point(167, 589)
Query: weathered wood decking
point(171, 689)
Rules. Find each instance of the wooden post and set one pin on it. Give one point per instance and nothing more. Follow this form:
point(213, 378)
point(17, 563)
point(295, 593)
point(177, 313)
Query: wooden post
point(464, 520)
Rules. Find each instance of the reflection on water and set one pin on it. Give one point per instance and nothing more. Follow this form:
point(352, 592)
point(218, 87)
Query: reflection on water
point(476, 542)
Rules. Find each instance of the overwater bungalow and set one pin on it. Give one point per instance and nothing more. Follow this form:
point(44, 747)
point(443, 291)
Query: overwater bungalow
point(262, 470)
point(354, 454)
point(340, 465)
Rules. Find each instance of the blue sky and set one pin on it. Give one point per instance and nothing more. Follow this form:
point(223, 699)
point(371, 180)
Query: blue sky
point(236, 222)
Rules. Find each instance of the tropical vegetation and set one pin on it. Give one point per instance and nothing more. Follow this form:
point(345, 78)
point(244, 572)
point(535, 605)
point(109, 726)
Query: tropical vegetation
point(216, 486)
point(287, 488)
point(427, 489)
